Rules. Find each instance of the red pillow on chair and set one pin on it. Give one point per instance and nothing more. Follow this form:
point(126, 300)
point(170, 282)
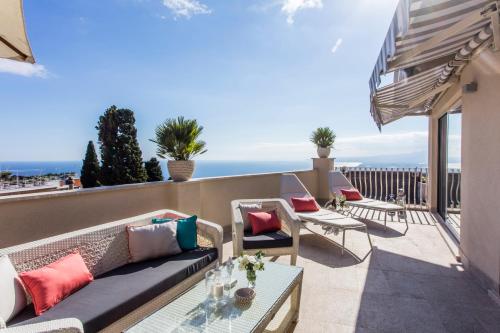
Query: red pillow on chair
point(262, 222)
point(52, 283)
point(352, 194)
point(305, 205)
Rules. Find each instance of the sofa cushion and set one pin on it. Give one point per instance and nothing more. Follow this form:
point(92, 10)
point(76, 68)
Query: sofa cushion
point(187, 233)
point(56, 281)
point(11, 290)
point(120, 291)
point(248, 208)
point(152, 241)
point(264, 222)
point(267, 240)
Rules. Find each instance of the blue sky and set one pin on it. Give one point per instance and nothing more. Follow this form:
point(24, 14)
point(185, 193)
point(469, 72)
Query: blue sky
point(258, 75)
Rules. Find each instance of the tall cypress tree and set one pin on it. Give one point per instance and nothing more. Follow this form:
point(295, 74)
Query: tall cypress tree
point(153, 169)
point(90, 168)
point(121, 156)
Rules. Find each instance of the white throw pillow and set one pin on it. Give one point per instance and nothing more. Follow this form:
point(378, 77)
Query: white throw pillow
point(152, 241)
point(249, 208)
point(13, 297)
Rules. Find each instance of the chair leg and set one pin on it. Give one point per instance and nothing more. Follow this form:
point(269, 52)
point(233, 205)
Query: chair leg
point(385, 221)
point(343, 241)
point(369, 239)
point(293, 259)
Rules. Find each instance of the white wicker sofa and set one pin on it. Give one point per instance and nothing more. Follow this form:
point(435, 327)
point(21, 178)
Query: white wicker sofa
point(122, 293)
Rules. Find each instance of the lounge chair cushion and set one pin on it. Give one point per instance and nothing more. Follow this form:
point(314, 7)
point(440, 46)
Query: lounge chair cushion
point(268, 240)
point(118, 292)
point(305, 204)
point(352, 194)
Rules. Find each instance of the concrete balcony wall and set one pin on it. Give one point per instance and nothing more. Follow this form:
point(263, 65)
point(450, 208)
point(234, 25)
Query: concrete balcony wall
point(210, 198)
point(26, 218)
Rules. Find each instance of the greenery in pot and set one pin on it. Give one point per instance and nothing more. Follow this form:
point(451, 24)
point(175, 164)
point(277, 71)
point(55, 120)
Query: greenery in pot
point(178, 139)
point(323, 137)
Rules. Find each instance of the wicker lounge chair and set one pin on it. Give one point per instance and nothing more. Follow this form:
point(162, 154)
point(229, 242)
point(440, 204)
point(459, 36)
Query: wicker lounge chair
point(329, 220)
point(337, 182)
point(274, 244)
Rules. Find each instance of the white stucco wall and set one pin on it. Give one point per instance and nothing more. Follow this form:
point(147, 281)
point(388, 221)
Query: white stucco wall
point(480, 227)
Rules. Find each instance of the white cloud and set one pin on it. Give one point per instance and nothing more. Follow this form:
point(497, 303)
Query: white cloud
point(346, 148)
point(291, 7)
point(23, 68)
point(186, 8)
point(337, 45)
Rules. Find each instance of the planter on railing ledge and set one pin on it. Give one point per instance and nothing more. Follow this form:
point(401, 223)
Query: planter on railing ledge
point(180, 171)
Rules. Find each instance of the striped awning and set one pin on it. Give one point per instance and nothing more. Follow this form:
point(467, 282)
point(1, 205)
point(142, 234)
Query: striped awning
point(429, 37)
point(405, 97)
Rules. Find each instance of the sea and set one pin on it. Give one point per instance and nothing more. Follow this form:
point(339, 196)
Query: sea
point(203, 168)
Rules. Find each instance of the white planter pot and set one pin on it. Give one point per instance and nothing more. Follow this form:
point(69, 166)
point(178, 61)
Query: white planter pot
point(180, 170)
point(324, 152)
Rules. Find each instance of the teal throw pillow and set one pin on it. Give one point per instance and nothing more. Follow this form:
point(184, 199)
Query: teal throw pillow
point(159, 220)
point(187, 233)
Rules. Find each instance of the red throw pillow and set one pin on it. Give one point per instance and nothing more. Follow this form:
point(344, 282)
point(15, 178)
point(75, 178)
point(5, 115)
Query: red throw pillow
point(51, 284)
point(352, 194)
point(305, 205)
point(262, 222)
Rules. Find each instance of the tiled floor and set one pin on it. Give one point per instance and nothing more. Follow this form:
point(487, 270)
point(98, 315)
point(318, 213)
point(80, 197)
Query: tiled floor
point(409, 283)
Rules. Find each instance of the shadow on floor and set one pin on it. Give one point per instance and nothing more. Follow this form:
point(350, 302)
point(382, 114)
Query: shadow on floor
point(404, 294)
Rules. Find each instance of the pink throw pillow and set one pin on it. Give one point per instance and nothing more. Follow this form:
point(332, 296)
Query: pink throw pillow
point(263, 222)
point(352, 194)
point(51, 284)
point(305, 205)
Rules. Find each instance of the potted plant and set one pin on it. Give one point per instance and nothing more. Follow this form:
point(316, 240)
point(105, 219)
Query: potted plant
point(177, 139)
point(323, 138)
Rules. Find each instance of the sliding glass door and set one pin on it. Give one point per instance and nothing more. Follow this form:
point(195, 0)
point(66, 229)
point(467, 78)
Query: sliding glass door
point(449, 170)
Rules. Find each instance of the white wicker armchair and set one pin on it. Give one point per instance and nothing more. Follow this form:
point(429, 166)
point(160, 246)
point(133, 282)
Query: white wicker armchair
point(284, 242)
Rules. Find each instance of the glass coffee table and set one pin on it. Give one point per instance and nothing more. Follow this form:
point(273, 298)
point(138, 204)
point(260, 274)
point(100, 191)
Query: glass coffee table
point(193, 312)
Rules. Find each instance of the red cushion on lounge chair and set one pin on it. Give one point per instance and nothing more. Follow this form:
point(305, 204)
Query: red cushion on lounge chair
point(352, 194)
point(264, 222)
point(305, 205)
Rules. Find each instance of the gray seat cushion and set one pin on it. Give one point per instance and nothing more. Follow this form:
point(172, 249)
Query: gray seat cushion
point(267, 240)
point(118, 292)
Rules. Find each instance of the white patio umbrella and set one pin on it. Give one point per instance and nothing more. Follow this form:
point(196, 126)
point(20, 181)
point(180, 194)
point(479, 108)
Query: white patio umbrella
point(14, 43)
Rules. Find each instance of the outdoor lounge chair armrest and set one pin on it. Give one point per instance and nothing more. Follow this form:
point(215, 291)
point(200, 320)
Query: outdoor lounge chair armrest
point(66, 325)
point(291, 219)
point(238, 227)
point(214, 232)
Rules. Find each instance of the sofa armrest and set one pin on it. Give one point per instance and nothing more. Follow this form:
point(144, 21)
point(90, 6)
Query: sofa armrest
point(291, 220)
point(214, 233)
point(238, 228)
point(67, 325)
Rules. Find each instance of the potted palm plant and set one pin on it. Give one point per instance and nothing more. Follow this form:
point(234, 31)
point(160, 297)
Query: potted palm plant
point(177, 140)
point(323, 138)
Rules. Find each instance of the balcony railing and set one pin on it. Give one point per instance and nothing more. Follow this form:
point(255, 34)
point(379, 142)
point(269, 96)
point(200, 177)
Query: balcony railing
point(381, 183)
point(454, 197)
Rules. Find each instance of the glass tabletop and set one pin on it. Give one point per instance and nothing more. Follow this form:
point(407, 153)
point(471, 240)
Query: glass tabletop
point(194, 312)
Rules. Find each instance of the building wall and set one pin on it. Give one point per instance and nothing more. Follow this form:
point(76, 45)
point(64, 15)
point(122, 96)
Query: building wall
point(480, 182)
point(480, 228)
point(31, 217)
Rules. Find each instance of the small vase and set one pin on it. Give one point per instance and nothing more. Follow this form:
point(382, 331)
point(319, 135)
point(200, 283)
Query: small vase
point(251, 277)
